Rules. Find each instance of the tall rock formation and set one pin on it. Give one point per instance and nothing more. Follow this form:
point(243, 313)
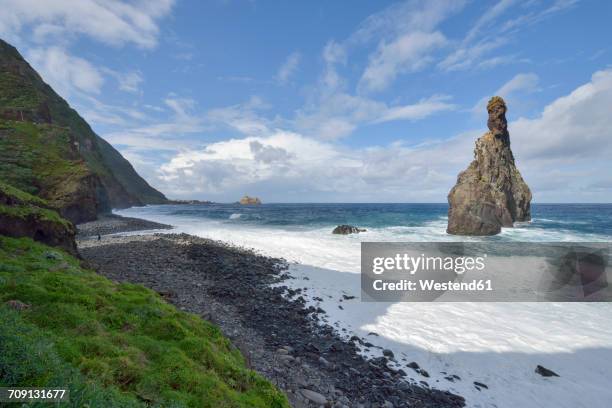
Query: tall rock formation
point(47, 149)
point(490, 193)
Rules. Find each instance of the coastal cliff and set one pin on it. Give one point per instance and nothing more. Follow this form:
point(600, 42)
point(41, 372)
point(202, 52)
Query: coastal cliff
point(491, 192)
point(55, 171)
point(48, 150)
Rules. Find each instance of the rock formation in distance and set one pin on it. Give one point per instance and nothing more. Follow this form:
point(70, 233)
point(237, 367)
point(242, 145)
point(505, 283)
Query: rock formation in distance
point(490, 193)
point(247, 200)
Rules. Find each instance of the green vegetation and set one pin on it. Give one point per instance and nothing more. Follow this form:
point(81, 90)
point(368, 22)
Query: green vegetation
point(29, 358)
point(21, 196)
point(40, 158)
point(16, 92)
point(112, 344)
point(28, 207)
point(28, 211)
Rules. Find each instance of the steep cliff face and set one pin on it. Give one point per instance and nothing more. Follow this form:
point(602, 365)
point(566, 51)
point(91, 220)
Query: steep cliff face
point(47, 149)
point(490, 193)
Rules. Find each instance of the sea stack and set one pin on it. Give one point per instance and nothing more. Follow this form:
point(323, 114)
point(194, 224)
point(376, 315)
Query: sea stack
point(490, 193)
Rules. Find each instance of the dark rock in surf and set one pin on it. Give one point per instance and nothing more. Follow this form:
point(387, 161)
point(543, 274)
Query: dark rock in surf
point(347, 229)
point(480, 385)
point(545, 372)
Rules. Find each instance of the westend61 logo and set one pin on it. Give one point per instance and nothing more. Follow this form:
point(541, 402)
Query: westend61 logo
point(485, 271)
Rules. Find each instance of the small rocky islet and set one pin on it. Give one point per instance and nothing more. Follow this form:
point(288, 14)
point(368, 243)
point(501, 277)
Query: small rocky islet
point(248, 200)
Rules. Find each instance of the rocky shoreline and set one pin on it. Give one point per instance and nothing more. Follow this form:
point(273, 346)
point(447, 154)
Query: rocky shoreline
point(278, 335)
point(113, 224)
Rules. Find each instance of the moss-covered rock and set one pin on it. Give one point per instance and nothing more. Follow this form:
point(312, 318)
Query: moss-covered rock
point(24, 215)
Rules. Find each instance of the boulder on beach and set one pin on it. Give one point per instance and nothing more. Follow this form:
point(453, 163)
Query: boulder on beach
point(491, 192)
point(247, 200)
point(545, 372)
point(347, 229)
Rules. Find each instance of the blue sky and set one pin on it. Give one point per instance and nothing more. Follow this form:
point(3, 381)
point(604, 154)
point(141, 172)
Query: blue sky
point(346, 101)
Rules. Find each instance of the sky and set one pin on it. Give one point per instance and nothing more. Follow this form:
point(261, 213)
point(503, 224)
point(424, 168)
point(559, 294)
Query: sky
point(344, 101)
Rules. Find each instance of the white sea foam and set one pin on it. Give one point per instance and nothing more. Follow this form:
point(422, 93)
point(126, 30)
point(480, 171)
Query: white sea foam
point(235, 216)
point(498, 344)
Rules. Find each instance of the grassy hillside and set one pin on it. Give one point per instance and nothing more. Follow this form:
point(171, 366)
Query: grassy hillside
point(112, 344)
point(41, 159)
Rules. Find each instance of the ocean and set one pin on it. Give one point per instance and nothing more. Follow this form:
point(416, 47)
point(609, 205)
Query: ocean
point(498, 344)
point(302, 232)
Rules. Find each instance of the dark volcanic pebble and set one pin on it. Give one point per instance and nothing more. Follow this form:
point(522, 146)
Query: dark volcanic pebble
point(112, 224)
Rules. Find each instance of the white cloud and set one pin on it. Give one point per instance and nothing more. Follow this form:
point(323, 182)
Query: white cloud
point(407, 39)
point(334, 53)
point(241, 117)
point(501, 60)
point(66, 73)
point(407, 53)
point(533, 17)
point(489, 34)
point(226, 169)
point(467, 56)
point(130, 81)
point(44, 32)
point(336, 115)
point(422, 109)
point(405, 17)
point(177, 132)
point(184, 129)
point(576, 126)
point(527, 82)
point(181, 107)
point(112, 22)
point(289, 67)
point(126, 81)
point(563, 154)
point(488, 17)
point(331, 112)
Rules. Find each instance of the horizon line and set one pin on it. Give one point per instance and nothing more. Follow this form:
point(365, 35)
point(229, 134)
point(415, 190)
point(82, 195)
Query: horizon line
point(369, 202)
